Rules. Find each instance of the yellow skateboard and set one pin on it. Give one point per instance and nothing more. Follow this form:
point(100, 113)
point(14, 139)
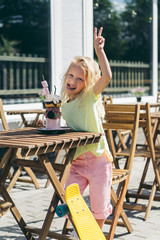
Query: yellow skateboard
point(86, 225)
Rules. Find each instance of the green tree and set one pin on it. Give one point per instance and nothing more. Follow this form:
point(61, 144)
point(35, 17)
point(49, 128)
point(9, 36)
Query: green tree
point(137, 30)
point(26, 21)
point(128, 33)
point(105, 15)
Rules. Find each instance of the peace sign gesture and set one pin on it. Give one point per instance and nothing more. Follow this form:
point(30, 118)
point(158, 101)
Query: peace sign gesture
point(98, 40)
point(106, 75)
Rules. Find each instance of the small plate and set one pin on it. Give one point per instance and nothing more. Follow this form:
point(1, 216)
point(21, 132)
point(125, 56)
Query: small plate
point(54, 131)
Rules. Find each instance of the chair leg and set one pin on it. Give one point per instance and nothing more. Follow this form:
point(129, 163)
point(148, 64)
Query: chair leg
point(47, 183)
point(17, 174)
point(117, 213)
point(9, 175)
point(142, 179)
point(14, 179)
point(126, 221)
point(156, 170)
point(119, 210)
point(32, 176)
point(122, 214)
point(150, 200)
point(66, 226)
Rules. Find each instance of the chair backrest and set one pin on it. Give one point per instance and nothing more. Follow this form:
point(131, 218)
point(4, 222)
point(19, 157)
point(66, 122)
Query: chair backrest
point(122, 117)
point(146, 123)
point(107, 100)
point(158, 97)
point(2, 117)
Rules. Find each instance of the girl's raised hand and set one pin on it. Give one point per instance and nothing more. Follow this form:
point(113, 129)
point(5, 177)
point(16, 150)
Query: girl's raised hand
point(99, 41)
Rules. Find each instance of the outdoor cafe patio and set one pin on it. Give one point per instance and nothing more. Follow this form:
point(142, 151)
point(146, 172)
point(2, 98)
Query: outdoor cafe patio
point(34, 164)
point(34, 143)
point(34, 211)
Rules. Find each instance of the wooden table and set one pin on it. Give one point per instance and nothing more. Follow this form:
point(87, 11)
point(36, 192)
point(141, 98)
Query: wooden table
point(24, 112)
point(33, 142)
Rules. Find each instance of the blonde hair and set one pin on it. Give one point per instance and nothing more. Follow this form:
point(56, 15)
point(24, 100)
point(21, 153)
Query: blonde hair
point(92, 74)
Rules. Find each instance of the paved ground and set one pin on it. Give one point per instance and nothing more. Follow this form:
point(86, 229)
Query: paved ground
point(33, 204)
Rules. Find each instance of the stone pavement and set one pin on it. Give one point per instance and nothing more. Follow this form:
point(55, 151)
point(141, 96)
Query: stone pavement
point(33, 204)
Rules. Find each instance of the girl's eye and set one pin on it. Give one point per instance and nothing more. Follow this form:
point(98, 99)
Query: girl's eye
point(71, 75)
point(80, 79)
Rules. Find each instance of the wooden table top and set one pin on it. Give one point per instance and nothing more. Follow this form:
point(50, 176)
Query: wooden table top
point(32, 141)
point(155, 115)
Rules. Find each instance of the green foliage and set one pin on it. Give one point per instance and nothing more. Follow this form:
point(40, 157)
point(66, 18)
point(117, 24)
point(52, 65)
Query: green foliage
point(128, 33)
point(7, 46)
point(26, 21)
point(106, 16)
point(25, 28)
point(137, 30)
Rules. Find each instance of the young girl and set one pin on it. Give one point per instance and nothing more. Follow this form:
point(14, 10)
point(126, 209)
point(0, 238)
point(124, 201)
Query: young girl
point(83, 111)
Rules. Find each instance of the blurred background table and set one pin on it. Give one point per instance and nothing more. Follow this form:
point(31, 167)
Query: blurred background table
point(37, 112)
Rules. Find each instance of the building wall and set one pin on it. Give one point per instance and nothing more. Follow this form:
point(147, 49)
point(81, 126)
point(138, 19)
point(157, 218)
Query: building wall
point(71, 34)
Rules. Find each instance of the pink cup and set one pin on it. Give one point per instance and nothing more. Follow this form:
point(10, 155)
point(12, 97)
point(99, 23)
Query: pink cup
point(52, 124)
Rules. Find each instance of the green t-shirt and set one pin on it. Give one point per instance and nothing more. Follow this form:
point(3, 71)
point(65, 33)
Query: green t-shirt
point(85, 116)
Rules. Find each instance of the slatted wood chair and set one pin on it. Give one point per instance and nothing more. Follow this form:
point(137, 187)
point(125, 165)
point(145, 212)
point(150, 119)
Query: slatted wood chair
point(15, 177)
point(149, 153)
point(124, 136)
point(120, 117)
point(4, 205)
point(158, 97)
point(107, 99)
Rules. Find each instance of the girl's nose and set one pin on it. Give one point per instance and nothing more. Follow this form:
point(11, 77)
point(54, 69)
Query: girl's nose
point(72, 81)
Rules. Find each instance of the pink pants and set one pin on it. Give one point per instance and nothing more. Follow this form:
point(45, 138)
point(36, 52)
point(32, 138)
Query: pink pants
point(97, 172)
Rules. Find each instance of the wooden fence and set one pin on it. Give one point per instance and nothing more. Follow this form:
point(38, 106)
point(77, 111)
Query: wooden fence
point(21, 76)
point(128, 75)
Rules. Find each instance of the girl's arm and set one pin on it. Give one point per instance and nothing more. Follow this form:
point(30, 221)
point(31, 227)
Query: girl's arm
point(99, 41)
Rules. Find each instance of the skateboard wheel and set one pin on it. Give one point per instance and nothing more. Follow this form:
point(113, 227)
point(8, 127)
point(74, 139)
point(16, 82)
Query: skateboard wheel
point(62, 210)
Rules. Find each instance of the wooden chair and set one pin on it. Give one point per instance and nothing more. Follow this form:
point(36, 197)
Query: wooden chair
point(107, 99)
point(123, 135)
point(120, 117)
point(16, 175)
point(158, 97)
point(4, 205)
point(157, 108)
point(149, 153)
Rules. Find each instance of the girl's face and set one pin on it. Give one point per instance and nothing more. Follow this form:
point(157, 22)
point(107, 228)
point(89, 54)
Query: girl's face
point(75, 81)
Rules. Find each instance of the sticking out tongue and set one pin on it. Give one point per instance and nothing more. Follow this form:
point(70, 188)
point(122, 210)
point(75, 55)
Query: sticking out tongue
point(70, 87)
